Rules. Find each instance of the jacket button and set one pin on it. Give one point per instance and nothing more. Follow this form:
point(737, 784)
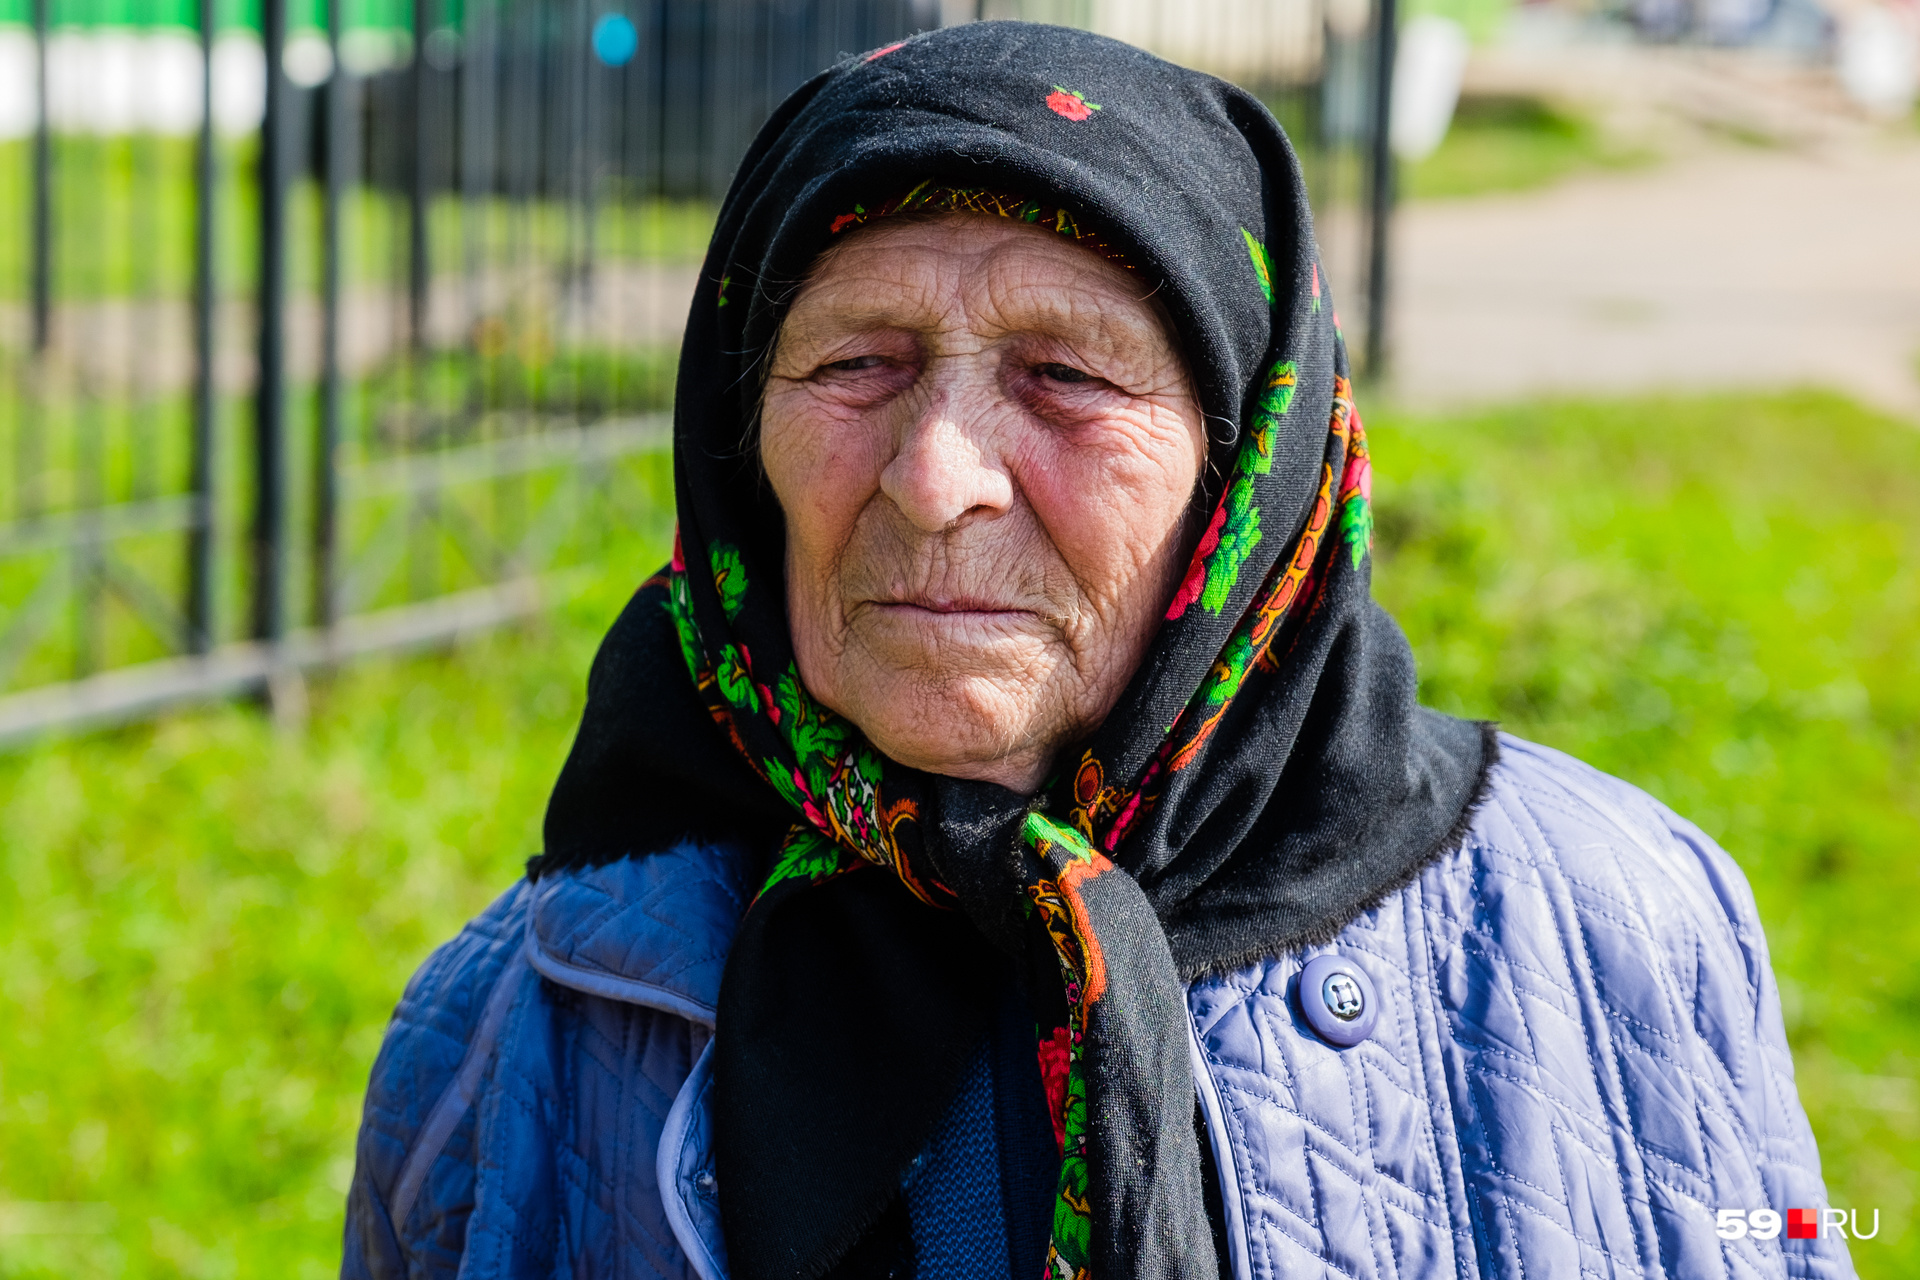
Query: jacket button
point(1337, 1000)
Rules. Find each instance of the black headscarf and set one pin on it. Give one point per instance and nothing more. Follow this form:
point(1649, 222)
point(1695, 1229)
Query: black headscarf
point(1265, 777)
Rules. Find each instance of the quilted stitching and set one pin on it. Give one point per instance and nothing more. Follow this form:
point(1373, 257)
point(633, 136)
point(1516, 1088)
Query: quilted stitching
point(1334, 1150)
point(1602, 1067)
point(666, 921)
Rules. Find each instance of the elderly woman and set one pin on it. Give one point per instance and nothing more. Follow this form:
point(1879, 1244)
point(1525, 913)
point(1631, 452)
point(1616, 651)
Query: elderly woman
point(1005, 842)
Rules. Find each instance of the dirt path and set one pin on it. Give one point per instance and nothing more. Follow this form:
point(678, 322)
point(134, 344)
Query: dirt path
point(1734, 269)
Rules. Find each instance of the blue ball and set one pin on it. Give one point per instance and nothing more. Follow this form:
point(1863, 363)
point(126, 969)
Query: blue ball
point(615, 39)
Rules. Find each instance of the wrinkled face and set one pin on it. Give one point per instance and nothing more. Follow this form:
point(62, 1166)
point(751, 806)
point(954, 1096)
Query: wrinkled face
point(984, 441)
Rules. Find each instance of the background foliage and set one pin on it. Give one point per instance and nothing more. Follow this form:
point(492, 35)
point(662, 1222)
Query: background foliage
point(205, 922)
point(1512, 142)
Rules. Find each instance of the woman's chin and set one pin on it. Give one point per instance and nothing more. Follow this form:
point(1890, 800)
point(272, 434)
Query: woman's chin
point(972, 726)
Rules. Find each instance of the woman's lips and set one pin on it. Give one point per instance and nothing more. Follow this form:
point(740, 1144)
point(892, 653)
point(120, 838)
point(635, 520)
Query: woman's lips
point(951, 620)
point(951, 606)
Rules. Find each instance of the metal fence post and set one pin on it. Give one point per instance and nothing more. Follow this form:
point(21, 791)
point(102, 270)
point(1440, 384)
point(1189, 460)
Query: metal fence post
point(200, 534)
point(270, 463)
point(326, 461)
point(42, 282)
point(1380, 184)
point(419, 268)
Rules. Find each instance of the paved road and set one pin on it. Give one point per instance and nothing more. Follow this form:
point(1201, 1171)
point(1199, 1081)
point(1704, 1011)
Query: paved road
point(1736, 268)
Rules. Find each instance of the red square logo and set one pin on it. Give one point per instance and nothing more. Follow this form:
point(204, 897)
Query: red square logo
point(1803, 1224)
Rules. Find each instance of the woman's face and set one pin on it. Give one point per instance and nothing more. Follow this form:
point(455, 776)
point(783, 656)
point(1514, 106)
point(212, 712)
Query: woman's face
point(984, 440)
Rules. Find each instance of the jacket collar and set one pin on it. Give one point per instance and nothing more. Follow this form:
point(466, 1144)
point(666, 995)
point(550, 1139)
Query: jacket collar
point(651, 931)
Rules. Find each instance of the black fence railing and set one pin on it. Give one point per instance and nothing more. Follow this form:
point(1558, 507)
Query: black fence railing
point(354, 336)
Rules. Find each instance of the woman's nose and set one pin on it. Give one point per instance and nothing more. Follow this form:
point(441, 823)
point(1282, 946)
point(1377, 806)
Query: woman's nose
point(946, 471)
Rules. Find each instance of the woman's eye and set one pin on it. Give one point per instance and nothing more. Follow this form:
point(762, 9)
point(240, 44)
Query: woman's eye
point(1062, 373)
point(855, 364)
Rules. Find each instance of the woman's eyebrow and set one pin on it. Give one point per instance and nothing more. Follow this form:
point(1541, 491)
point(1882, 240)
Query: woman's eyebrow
point(1094, 322)
point(864, 319)
point(1073, 313)
point(846, 311)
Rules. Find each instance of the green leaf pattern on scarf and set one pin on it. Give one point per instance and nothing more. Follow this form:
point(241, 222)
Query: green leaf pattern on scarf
point(1229, 671)
point(735, 677)
point(817, 737)
point(808, 856)
point(1276, 397)
point(729, 578)
point(834, 779)
point(1240, 531)
point(1356, 497)
point(1262, 264)
point(1356, 527)
point(685, 629)
point(1238, 537)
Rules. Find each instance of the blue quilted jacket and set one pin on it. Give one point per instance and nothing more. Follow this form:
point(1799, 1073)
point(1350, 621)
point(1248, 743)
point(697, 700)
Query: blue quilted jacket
point(1579, 1060)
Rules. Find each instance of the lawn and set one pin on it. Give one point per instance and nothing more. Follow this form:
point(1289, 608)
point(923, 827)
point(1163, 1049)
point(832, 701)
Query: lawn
point(204, 922)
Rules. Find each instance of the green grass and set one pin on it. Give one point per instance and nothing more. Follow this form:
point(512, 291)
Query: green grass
point(1512, 143)
point(204, 925)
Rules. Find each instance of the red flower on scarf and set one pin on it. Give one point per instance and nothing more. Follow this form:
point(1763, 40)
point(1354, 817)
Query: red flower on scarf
point(1359, 479)
point(1196, 580)
point(1073, 106)
point(1055, 1051)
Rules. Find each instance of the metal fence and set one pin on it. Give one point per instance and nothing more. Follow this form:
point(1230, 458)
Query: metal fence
point(353, 327)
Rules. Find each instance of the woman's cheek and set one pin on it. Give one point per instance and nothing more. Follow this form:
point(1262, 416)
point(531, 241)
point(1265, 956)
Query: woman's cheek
point(799, 435)
point(1114, 490)
point(1076, 505)
point(824, 464)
